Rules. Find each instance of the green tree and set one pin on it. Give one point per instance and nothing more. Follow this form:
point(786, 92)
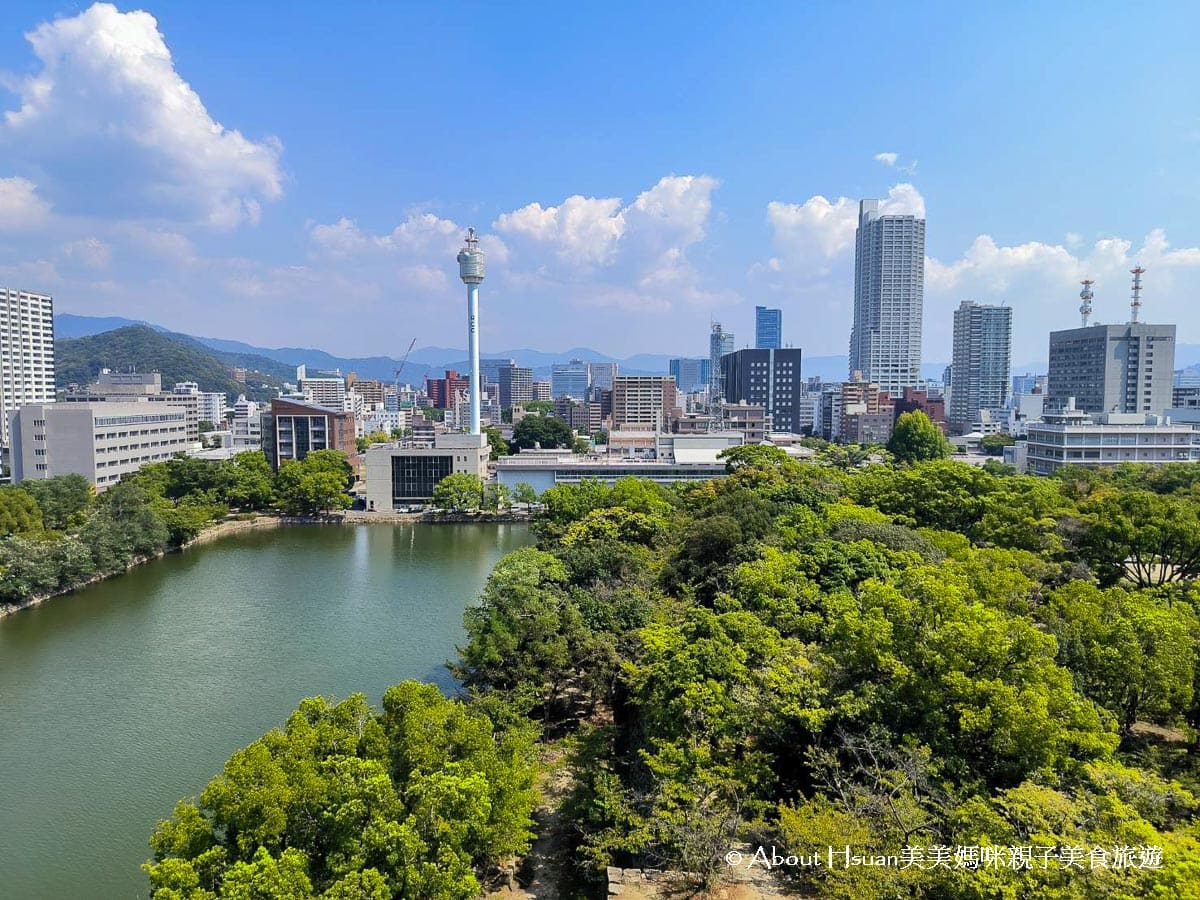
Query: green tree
point(251, 483)
point(497, 442)
point(417, 801)
point(544, 431)
point(19, 512)
point(459, 492)
point(523, 492)
point(916, 438)
point(994, 444)
point(64, 499)
point(1148, 538)
point(315, 484)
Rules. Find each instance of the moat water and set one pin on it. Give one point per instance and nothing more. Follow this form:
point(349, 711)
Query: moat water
point(119, 700)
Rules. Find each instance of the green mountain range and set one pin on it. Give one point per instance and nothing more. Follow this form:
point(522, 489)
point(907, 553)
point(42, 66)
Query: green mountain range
point(176, 357)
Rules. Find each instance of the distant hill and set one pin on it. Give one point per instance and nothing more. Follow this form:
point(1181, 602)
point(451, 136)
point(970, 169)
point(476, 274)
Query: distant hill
point(69, 326)
point(141, 348)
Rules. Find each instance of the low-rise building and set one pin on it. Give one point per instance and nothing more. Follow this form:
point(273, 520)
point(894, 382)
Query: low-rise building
point(102, 441)
point(293, 429)
point(406, 474)
point(544, 469)
point(1074, 437)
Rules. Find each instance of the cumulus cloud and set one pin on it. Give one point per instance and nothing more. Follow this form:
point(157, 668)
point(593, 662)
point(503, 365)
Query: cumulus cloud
point(888, 159)
point(107, 83)
point(812, 233)
point(602, 252)
point(20, 205)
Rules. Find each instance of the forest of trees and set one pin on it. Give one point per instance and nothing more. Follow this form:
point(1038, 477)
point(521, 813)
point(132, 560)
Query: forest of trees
point(57, 534)
point(801, 655)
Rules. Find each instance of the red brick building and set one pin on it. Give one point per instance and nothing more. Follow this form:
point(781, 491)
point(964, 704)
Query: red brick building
point(442, 391)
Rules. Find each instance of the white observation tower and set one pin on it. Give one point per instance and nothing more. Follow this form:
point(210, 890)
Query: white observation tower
point(471, 271)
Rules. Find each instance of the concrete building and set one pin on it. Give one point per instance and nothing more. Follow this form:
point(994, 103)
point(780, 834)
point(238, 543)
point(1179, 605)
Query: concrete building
point(889, 298)
point(1075, 437)
point(123, 387)
point(516, 386)
point(748, 418)
point(768, 378)
point(768, 328)
point(691, 374)
point(584, 417)
point(981, 364)
point(543, 390)
point(102, 441)
point(327, 392)
point(866, 412)
point(647, 402)
point(1112, 368)
point(210, 405)
point(372, 391)
point(402, 475)
point(246, 424)
point(26, 352)
point(293, 429)
point(720, 342)
point(544, 469)
point(571, 379)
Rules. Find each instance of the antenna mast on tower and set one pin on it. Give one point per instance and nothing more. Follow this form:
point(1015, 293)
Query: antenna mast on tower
point(1135, 300)
point(1085, 307)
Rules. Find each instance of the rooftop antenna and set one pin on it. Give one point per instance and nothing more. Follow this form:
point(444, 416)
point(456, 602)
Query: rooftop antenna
point(1085, 307)
point(1135, 300)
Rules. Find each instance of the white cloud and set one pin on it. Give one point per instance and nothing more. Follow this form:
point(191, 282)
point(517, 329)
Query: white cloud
point(91, 252)
point(107, 83)
point(20, 206)
point(580, 229)
point(809, 234)
point(888, 159)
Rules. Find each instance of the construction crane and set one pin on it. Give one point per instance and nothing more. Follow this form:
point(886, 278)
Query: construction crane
point(400, 368)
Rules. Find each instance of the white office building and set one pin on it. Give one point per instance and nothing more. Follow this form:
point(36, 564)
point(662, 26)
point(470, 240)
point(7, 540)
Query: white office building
point(26, 353)
point(889, 298)
point(1074, 437)
point(402, 475)
point(101, 441)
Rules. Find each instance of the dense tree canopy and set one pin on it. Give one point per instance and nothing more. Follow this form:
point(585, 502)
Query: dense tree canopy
point(418, 800)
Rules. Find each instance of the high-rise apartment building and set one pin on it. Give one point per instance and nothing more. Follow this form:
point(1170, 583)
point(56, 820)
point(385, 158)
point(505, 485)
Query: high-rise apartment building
point(1111, 368)
point(543, 390)
point(889, 295)
point(768, 328)
point(293, 429)
point(768, 378)
point(516, 386)
point(442, 391)
point(571, 379)
point(327, 392)
point(982, 362)
point(644, 402)
point(26, 353)
point(720, 342)
point(691, 374)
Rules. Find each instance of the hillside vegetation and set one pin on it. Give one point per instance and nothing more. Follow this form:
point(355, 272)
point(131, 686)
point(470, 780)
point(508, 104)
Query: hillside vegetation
point(141, 348)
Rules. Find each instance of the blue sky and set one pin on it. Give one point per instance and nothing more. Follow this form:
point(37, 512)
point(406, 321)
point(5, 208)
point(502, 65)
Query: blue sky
point(304, 179)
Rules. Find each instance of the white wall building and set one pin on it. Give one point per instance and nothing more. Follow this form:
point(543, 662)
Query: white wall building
point(399, 475)
point(101, 441)
point(1074, 437)
point(26, 352)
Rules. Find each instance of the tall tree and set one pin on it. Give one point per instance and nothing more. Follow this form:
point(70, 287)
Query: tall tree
point(916, 439)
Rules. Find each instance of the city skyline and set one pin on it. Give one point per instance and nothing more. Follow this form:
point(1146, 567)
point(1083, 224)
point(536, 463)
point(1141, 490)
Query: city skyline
point(229, 214)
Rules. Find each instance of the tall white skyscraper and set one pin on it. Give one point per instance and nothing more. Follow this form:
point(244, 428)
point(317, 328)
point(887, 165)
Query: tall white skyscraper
point(889, 298)
point(26, 353)
point(982, 362)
